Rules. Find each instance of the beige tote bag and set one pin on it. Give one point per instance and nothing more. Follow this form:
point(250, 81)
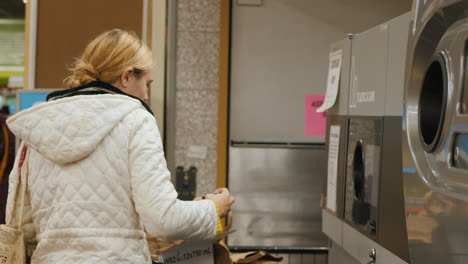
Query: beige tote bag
point(12, 247)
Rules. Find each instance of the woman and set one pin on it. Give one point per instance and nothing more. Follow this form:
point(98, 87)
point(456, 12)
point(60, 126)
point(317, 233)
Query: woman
point(97, 173)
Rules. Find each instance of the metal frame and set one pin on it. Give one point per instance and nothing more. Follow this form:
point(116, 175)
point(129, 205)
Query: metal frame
point(31, 64)
point(157, 38)
point(144, 32)
point(170, 102)
point(287, 250)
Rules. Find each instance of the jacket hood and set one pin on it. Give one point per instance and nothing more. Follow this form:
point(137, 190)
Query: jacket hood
point(69, 129)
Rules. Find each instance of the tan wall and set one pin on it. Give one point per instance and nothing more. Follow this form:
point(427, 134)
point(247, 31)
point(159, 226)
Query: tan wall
point(64, 27)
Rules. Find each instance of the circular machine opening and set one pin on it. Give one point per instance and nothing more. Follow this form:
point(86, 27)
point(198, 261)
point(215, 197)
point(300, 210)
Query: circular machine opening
point(358, 170)
point(432, 104)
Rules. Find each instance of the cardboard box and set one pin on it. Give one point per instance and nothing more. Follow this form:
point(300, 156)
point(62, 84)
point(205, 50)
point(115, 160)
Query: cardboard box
point(189, 252)
point(213, 252)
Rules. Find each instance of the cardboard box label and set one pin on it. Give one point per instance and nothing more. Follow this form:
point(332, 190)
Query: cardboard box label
point(189, 252)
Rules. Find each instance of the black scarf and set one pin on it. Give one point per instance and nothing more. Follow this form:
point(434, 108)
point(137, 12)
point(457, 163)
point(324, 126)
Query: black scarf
point(92, 88)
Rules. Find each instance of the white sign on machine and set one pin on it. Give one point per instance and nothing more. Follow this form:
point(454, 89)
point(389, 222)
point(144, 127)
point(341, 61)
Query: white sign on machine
point(332, 173)
point(333, 81)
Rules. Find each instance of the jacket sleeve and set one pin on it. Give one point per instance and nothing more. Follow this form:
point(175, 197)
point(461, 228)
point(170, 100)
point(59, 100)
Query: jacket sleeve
point(29, 229)
point(162, 214)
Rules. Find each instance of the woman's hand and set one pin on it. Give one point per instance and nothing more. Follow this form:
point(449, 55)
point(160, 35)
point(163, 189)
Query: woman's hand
point(223, 198)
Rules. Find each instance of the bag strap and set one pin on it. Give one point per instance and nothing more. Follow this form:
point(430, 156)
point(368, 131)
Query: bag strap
point(23, 162)
point(6, 150)
point(25, 186)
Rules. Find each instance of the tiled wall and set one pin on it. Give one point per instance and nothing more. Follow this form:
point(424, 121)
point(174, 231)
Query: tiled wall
point(198, 25)
point(303, 259)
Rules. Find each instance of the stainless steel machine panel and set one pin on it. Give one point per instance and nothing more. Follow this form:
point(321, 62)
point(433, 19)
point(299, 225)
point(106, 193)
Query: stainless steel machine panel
point(337, 255)
point(363, 173)
point(277, 196)
point(374, 202)
point(435, 128)
point(398, 44)
point(332, 226)
point(369, 72)
point(392, 226)
point(362, 248)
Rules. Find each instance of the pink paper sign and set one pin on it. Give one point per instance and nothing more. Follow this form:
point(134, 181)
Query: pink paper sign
point(315, 124)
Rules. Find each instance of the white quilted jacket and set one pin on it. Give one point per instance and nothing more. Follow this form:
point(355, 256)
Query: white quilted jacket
point(97, 178)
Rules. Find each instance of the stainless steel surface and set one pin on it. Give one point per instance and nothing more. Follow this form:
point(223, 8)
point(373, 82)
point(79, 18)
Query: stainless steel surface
point(434, 174)
point(421, 10)
point(436, 223)
point(358, 246)
point(460, 152)
point(434, 105)
point(284, 145)
point(373, 254)
point(369, 55)
point(332, 226)
point(277, 197)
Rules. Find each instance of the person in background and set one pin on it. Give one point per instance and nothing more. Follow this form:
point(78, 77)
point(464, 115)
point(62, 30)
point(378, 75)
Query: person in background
point(97, 173)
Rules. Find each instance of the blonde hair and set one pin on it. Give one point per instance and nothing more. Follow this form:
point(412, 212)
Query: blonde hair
point(108, 56)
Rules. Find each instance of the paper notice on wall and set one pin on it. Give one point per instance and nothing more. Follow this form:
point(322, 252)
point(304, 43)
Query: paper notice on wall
point(333, 80)
point(315, 124)
point(197, 152)
point(332, 173)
